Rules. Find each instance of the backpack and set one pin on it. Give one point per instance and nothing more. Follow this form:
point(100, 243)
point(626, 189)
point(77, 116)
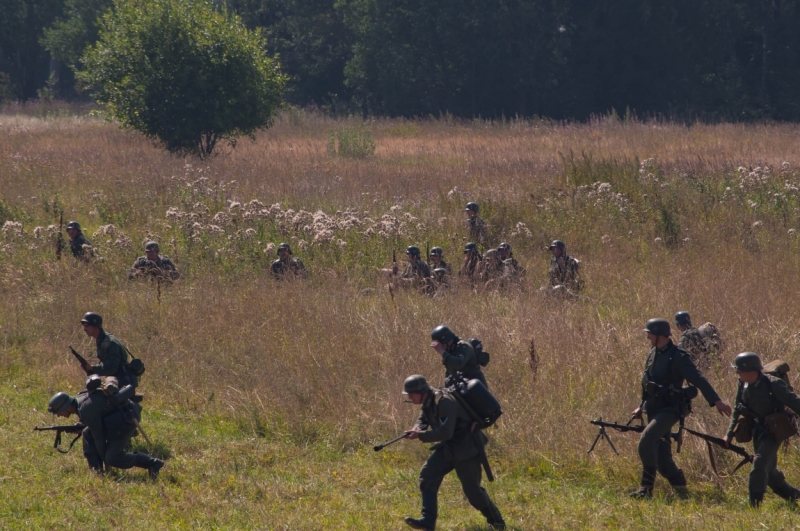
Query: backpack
point(779, 369)
point(481, 355)
point(711, 333)
point(482, 407)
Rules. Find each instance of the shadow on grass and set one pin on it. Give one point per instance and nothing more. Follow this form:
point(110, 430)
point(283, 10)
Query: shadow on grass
point(158, 449)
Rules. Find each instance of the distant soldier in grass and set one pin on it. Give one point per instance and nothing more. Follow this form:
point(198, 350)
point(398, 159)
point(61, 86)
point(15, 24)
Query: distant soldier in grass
point(458, 446)
point(109, 428)
point(416, 273)
point(664, 403)
point(153, 265)
point(477, 229)
point(80, 246)
point(469, 265)
point(507, 256)
point(693, 341)
point(564, 269)
point(437, 260)
point(760, 416)
point(112, 355)
point(287, 266)
point(457, 355)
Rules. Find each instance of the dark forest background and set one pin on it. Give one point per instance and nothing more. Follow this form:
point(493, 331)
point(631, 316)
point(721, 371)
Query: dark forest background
point(681, 59)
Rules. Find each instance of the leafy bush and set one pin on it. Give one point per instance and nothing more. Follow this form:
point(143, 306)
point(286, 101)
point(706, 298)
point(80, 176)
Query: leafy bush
point(183, 73)
point(355, 142)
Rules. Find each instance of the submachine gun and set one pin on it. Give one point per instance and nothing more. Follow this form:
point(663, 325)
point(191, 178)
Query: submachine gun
point(74, 428)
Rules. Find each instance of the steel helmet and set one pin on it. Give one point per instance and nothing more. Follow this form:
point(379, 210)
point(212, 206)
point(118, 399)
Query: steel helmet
point(74, 225)
point(683, 318)
point(152, 246)
point(443, 334)
point(59, 403)
point(437, 251)
point(285, 246)
point(470, 247)
point(92, 319)
point(658, 327)
point(559, 244)
point(415, 383)
point(747, 361)
point(413, 250)
point(472, 206)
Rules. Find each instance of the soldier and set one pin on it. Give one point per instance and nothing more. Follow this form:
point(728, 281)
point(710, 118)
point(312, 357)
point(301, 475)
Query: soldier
point(476, 227)
point(470, 263)
point(80, 246)
point(457, 355)
point(441, 283)
point(285, 264)
point(564, 268)
point(458, 447)
point(153, 265)
point(416, 272)
point(692, 341)
point(437, 260)
point(507, 256)
point(664, 403)
point(492, 271)
point(112, 355)
point(109, 427)
point(759, 396)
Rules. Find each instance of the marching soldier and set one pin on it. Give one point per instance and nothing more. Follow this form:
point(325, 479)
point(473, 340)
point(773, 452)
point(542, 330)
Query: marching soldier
point(564, 268)
point(110, 425)
point(287, 265)
point(759, 397)
point(153, 265)
point(112, 355)
point(457, 355)
point(458, 447)
point(80, 246)
point(664, 403)
point(693, 341)
point(476, 227)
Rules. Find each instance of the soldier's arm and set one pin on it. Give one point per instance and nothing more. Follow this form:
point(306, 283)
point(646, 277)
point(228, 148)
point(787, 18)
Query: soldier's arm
point(171, 270)
point(109, 366)
point(421, 423)
point(736, 412)
point(455, 361)
point(693, 375)
point(448, 413)
point(786, 395)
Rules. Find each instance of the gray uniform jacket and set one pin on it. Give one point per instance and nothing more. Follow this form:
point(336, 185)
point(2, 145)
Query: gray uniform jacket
point(449, 425)
point(763, 397)
point(463, 359)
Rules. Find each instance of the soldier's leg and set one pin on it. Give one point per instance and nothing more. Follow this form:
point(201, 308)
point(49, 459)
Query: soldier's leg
point(766, 458)
point(651, 452)
point(90, 451)
point(116, 455)
point(469, 473)
point(430, 479)
point(777, 481)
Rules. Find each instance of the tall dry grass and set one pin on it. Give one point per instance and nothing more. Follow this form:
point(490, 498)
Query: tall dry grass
point(322, 360)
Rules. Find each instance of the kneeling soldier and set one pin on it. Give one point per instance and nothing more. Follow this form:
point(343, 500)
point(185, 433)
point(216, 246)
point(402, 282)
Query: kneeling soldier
point(153, 265)
point(663, 400)
point(287, 266)
point(109, 427)
point(760, 416)
point(458, 447)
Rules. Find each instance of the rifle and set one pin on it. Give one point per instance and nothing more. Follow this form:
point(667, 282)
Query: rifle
point(709, 439)
point(75, 428)
point(380, 447)
point(619, 427)
point(60, 240)
point(81, 360)
point(394, 262)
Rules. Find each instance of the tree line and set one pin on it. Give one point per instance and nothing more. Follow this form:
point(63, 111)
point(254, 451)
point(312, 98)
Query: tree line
point(563, 59)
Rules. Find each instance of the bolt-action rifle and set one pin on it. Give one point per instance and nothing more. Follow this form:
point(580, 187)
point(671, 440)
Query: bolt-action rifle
point(84, 364)
point(60, 240)
point(75, 428)
point(380, 447)
point(394, 262)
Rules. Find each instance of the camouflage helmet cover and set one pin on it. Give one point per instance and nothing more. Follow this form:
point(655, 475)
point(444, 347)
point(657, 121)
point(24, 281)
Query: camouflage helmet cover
point(152, 246)
point(683, 318)
point(658, 327)
point(416, 383)
point(59, 403)
point(92, 319)
point(747, 361)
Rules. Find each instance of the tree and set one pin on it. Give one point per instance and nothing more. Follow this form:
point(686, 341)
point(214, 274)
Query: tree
point(183, 73)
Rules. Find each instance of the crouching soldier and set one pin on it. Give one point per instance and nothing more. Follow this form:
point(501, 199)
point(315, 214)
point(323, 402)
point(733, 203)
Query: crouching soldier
point(760, 416)
point(110, 424)
point(458, 447)
point(457, 355)
point(153, 265)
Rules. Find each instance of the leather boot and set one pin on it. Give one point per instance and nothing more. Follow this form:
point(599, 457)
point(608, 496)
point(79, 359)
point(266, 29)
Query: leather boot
point(755, 499)
point(645, 491)
point(678, 482)
point(493, 517)
point(417, 523)
point(788, 493)
point(152, 464)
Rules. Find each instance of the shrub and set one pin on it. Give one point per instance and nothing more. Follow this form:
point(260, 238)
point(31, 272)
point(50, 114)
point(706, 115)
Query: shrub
point(183, 73)
point(355, 142)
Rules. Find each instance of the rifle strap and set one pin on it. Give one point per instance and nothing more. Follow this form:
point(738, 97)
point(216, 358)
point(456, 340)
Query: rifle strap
point(713, 461)
point(57, 443)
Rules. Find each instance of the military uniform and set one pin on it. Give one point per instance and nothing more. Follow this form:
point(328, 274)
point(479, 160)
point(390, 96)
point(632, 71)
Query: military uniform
point(76, 246)
point(113, 360)
point(108, 432)
point(765, 396)
point(477, 229)
point(566, 275)
point(419, 270)
point(470, 266)
point(161, 267)
point(447, 266)
point(462, 358)
point(666, 367)
point(693, 342)
point(295, 266)
point(457, 448)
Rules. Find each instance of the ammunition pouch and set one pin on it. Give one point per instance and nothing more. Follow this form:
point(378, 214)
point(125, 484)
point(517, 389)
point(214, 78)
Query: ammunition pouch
point(743, 431)
point(681, 398)
point(136, 366)
point(780, 426)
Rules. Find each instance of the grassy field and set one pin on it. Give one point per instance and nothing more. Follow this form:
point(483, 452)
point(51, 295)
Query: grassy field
point(267, 397)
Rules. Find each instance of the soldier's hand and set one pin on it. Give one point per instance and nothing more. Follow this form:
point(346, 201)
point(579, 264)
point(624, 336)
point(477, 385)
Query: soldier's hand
point(86, 367)
point(637, 413)
point(438, 347)
point(414, 433)
point(723, 408)
point(727, 441)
